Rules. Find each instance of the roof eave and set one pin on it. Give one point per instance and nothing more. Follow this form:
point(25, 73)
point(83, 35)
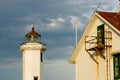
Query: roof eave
point(104, 20)
point(76, 50)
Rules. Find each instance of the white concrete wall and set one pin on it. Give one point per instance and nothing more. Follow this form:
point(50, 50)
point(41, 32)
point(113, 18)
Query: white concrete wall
point(32, 65)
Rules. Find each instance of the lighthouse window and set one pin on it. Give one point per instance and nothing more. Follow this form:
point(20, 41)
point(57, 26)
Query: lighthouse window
point(36, 38)
point(116, 58)
point(28, 39)
point(35, 78)
point(41, 57)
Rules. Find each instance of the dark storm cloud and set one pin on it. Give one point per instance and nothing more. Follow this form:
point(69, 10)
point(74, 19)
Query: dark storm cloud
point(53, 19)
point(15, 15)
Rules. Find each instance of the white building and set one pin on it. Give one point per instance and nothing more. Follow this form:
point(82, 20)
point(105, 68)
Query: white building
point(32, 51)
point(97, 55)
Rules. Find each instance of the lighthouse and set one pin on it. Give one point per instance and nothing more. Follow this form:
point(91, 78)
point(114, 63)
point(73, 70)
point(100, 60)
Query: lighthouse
point(32, 58)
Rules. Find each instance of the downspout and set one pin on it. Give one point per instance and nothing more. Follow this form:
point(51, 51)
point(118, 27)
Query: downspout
point(106, 59)
point(109, 52)
point(106, 64)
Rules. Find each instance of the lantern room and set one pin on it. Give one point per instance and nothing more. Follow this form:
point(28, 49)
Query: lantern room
point(32, 36)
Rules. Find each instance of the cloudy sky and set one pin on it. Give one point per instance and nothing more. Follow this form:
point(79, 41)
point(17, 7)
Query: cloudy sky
point(55, 20)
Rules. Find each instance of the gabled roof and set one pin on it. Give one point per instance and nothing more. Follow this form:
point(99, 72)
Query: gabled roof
point(112, 17)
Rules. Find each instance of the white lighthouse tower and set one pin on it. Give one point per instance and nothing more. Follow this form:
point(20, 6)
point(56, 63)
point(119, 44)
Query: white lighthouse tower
point(32, 51)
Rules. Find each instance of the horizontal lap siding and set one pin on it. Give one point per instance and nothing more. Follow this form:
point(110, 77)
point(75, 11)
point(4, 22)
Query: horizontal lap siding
point(85, 67)
point(115, 43)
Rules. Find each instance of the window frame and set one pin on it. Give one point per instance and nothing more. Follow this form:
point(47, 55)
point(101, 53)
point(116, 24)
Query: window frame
point(36, 38)
point(101, 35)
point(116, 66)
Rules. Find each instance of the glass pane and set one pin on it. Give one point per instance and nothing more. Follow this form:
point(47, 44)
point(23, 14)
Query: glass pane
point(36, 39)
point(117, 66)
point(118, 61)
point(100, 34)
point(28, 39)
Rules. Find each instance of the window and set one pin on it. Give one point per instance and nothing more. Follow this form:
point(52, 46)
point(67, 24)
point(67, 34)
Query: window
point(36, 39)
point(100, 35)
point(28, 39)
point(41, 57)
point(116, 58)
point(35, 78)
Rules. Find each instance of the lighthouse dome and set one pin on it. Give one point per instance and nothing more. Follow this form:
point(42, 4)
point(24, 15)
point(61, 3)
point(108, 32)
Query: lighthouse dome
point(32, 36)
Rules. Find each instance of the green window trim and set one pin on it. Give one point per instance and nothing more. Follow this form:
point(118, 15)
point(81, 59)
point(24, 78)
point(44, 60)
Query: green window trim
point(116, 59)
point(100, 35)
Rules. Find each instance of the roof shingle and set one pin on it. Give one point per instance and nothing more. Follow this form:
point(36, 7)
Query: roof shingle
point(112, 17)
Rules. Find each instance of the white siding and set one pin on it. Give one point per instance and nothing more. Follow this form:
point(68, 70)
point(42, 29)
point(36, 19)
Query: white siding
point(85, 67)
point(115, 43)
point(102, 69)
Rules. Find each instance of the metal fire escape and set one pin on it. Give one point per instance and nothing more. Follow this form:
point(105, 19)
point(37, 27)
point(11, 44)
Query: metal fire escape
point(96, 45)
